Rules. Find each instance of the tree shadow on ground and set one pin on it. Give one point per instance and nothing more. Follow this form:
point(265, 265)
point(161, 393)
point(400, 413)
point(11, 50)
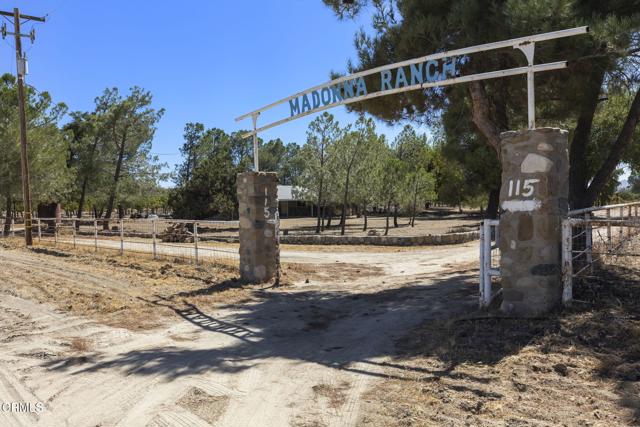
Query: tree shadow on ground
point(338, 329)
point(427, 317)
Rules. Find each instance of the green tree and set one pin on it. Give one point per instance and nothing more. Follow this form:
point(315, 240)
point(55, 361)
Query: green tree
point(275, 156)
point(211, 190)
point(599, 63)
point(130, 123)
point(369, 177)
point(418, 182)
point(348, 159)
point(47, 146)
point(315, 177)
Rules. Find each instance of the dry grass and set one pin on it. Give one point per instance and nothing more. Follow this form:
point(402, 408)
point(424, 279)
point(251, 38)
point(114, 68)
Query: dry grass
point(130, 292)
point(335, 394)
point(80, 345)
point(204, 405)
point(307, 272)
point(576, 368)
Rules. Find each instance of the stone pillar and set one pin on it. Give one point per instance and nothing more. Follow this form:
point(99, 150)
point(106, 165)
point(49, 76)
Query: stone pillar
point(533, 201)
point(258, 213)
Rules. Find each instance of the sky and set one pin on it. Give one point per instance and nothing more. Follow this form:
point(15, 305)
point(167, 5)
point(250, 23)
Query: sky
point(203, 61)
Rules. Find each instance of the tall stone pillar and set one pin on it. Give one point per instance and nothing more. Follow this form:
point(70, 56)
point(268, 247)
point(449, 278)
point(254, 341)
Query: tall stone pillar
point(533, 201)
point(258, 213)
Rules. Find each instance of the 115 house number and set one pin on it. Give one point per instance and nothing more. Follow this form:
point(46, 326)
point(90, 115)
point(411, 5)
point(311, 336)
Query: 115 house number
point(523, 188)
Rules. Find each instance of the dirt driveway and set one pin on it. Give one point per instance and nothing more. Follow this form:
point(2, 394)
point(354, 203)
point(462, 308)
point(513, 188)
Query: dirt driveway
point(300, 355)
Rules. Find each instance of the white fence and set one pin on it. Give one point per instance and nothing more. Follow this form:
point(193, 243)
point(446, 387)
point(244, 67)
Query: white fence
point(194, 241)
point(590, 236)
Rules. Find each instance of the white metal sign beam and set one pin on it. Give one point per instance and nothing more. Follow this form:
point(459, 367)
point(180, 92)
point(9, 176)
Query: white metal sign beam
point(435, 70)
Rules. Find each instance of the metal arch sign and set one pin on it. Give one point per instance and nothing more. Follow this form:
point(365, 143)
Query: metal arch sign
point(435, 70)
point(430, 71)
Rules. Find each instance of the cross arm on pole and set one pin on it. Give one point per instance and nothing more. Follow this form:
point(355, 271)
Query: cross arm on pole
point(22, 16)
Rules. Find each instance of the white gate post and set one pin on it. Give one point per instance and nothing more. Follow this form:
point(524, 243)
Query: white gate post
point(486, 262)
point(39, 230)
point(567, 263)
point(482, 237)
point(73, 224)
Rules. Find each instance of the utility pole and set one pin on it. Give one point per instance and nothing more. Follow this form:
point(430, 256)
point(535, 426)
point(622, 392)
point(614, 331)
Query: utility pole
point(21, 71)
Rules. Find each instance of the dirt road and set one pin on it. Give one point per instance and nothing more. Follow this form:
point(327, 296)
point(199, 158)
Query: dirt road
point(302, 355)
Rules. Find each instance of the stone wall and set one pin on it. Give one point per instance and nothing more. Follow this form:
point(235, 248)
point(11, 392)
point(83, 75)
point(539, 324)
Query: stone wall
point(533, 200)
point(258, 213)
point(429, 240)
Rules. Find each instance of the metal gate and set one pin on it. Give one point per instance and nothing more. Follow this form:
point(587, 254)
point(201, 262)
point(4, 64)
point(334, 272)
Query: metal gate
point(590, 237)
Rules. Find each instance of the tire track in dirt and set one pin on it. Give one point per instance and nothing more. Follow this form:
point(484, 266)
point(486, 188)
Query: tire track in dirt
point(137, 379)
point(48, 270)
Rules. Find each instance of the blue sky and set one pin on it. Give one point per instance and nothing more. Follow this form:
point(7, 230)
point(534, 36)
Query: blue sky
point(205, 61)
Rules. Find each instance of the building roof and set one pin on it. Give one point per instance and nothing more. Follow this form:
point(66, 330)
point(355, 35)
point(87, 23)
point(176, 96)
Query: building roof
point(285, 193)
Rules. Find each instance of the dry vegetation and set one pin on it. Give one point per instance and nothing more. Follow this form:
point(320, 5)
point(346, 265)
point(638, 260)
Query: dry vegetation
point(206, 406)
point(580, 367)
point(335, 394)
point(133, 292)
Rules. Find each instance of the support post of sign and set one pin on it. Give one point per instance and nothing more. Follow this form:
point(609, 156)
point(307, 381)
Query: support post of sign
point(256, 156)
point(529, 48)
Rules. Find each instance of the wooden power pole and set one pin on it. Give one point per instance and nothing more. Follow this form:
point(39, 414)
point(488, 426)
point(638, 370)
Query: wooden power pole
point(21, 71)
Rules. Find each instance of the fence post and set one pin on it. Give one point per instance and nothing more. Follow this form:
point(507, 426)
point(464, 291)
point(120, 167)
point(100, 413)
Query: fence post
point(95, 235)
point(620, 227)
point(55, 234)
point(609, 230)
point(567, 263)
point(195, 241)
point(154, 231)
point(39, 231)
point(12, 228)
point(487, 262)
point(628, 226)
point(74, 233)
point(588, 240)
point(121, 223)
point(482, 237)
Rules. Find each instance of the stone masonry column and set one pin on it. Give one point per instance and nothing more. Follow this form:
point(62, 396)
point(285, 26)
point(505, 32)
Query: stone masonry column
point(533, 200)
point(258, 213)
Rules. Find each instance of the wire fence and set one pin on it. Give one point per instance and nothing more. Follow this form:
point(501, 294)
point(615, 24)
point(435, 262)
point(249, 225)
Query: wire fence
point(198, 242)
point(597, 236)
